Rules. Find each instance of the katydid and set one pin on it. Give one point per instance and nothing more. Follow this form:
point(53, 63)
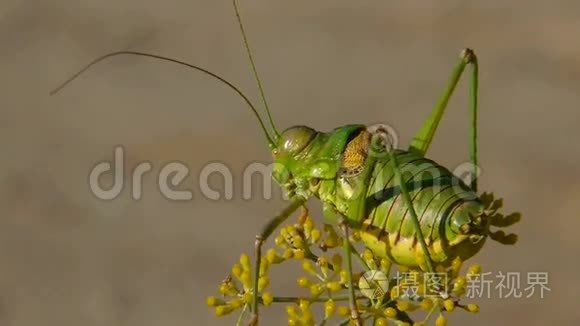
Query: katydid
point(406, 207)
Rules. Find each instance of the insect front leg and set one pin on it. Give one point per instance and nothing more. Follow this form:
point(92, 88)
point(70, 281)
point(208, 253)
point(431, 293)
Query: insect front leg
point(420, 144)
point(267, 230)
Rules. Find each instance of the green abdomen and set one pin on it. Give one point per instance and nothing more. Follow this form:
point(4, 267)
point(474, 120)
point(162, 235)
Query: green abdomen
point(436, 194)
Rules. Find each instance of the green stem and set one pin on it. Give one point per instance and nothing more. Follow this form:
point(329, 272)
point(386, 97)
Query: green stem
point(359, 258)
point(430, 313)
point(242, 314)
point(352, 298)
point(318, 299)
point(344, 322)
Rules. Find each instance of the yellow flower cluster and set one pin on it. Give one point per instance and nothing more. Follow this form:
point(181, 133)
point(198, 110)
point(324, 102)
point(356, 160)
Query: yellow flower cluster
point(236, 291)
point(406, 297)
point(438, 292)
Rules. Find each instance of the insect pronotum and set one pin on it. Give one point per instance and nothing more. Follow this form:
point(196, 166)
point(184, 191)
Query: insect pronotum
point(407, 207)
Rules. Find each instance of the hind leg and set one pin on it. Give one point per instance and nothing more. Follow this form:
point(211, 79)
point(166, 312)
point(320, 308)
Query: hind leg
point(420, 144)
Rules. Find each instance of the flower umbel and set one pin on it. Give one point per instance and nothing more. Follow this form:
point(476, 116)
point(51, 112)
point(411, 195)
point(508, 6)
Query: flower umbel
point(385, 293)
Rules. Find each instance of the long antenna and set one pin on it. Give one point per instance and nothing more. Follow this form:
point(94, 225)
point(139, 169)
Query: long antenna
point(159, 57)
point(254, 70)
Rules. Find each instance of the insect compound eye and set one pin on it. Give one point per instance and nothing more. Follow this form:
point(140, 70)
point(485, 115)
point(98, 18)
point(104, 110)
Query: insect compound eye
point(295, 139)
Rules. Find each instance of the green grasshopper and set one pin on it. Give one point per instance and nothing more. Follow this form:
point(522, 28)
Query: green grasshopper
point(407, 208)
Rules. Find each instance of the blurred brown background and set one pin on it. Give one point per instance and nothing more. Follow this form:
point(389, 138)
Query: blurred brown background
point(67, 258)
